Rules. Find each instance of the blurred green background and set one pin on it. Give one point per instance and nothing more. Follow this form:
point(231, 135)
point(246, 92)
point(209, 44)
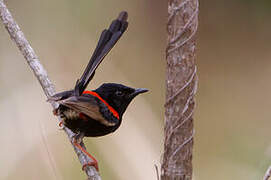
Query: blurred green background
point(232, 118)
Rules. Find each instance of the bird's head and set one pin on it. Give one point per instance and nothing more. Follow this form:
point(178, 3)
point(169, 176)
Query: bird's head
point(118, 96)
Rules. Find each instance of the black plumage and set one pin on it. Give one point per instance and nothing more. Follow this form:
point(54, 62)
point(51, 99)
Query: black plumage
point(98, 112)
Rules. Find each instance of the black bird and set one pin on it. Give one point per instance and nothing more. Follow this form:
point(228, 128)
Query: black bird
point(98, 112)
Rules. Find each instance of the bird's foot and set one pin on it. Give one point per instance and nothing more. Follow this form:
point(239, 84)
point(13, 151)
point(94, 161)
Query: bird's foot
point(94, 164)
point(55, 112)
point(76, 140)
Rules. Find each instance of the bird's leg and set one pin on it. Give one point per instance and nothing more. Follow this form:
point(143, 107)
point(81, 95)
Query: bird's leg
point(77, 140)
point(78, 137)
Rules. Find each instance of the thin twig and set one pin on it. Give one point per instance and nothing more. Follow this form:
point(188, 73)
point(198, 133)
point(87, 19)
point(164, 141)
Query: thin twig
point(157, 172)
point(267, 174)
point(32, 59)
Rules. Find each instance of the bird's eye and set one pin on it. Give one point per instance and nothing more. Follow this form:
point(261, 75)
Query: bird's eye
point(119, 93)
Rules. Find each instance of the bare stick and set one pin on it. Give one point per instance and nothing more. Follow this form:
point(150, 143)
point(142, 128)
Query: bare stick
point(267, 174)
point(157, 172)
point(32, 59)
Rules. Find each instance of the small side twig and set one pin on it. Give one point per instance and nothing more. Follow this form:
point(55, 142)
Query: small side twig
point(157, 172)
point(32, 59)
point(267, 173)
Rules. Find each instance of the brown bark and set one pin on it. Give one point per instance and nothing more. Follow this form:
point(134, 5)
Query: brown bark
point(181, 85)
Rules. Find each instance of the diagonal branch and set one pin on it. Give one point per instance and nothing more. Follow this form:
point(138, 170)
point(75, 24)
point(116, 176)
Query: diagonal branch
point(32, 59)
point(267, 173)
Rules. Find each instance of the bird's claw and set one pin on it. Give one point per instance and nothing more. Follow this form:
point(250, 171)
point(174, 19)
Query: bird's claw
point(94, 164)
point(77, 138)
point(55, 112)
point(61, 125)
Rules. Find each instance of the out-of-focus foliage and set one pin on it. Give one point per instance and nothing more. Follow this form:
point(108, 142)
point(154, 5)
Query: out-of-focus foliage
point(232, 119)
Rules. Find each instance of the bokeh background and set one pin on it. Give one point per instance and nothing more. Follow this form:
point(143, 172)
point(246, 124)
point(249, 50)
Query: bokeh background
point(233, 115)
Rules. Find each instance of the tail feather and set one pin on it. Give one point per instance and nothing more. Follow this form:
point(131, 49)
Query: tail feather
point(105, 37)
point(108, 39)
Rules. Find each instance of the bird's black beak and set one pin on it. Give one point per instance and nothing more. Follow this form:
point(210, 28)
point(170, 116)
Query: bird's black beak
point(137, 92)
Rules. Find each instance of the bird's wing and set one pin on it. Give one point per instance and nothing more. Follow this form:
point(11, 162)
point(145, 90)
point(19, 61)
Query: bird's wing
point(87, 106)
point(60, 96)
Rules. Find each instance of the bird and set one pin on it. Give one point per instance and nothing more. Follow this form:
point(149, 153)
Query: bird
point(97, 112)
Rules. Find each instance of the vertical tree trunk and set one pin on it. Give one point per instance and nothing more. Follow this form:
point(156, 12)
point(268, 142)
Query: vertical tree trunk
point(181, 85)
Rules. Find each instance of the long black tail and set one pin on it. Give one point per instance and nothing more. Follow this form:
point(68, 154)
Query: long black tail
point(107, 40)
